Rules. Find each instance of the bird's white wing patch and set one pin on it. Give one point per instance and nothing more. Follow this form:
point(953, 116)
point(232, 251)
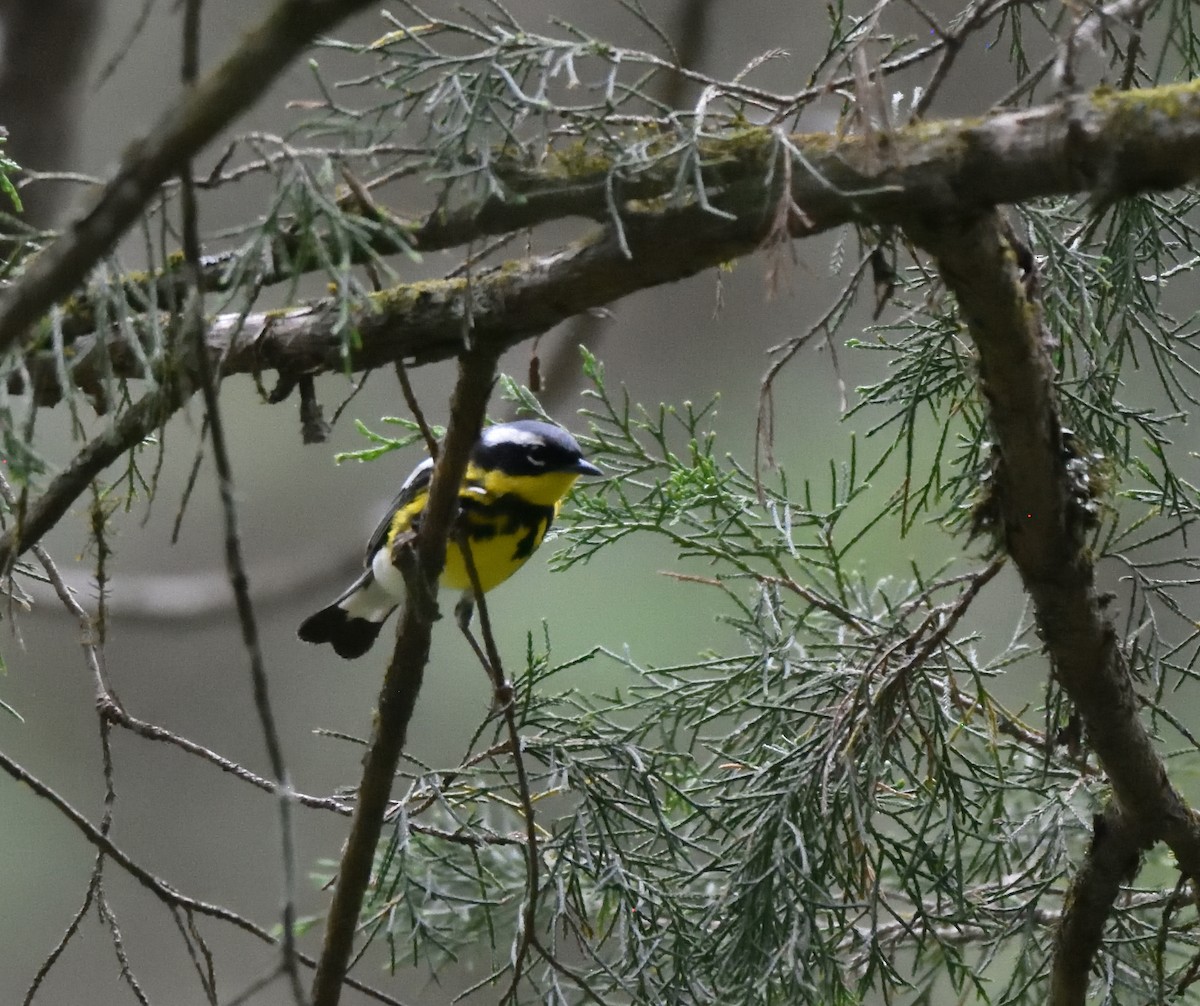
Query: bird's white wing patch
point(417, 472)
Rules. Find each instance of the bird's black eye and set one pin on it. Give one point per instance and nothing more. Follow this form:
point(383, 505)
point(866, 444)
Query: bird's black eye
point(536, 455)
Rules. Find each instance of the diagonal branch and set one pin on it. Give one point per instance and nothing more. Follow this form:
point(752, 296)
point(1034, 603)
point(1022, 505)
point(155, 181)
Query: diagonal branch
point(1041, 512)
point(160, 889)
point(128, 430)
point(418, 324)
point(421, 322)
point(1112, 860)
point(104, 844)
point(402, 682)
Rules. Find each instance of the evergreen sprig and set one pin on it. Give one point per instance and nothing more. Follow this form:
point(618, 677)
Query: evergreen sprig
point(837, 805)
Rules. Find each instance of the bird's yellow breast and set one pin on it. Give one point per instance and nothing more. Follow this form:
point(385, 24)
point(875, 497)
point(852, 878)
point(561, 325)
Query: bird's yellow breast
point(496, 551)
point(505, 518)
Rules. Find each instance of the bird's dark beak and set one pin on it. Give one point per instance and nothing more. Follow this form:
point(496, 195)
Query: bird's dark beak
point(586, 468)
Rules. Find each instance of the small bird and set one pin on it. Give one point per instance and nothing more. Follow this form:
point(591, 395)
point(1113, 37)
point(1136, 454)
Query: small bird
point(516, 479)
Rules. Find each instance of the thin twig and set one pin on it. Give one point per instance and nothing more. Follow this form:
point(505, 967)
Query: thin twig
point(415, 410)
point(184, 129)
point(56, 952)
point(153, 732)
point(124, 968)
point(102, 842)
point(159, 888)
point(503, 692)
point(129, 429)
point(195, 322)
point(574, 976)
point(941, 620)
point(256, 986)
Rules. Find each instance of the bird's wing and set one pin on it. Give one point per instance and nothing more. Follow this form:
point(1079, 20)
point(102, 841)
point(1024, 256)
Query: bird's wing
point(416, 484)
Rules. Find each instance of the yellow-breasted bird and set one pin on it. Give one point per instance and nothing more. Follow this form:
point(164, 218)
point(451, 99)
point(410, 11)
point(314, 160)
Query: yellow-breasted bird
point(516, 479)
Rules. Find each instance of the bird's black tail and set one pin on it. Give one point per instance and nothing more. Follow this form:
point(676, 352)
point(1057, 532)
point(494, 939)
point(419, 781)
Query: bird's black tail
point(350, 637)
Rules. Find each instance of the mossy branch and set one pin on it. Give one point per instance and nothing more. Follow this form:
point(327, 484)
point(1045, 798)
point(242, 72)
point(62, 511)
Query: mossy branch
point(1040, 511)
point(1104, 145)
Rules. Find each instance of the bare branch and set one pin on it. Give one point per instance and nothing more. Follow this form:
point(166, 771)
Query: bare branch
point(104, 844)
point(402, 683)
point(194, 330)
point(128, 430)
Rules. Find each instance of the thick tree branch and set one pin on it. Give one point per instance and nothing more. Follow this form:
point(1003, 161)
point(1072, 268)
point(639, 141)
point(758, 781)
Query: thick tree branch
point(1105, 144)
point(418, 323)
point(421, 323)
point(1040, 510)
point(1112, 861)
